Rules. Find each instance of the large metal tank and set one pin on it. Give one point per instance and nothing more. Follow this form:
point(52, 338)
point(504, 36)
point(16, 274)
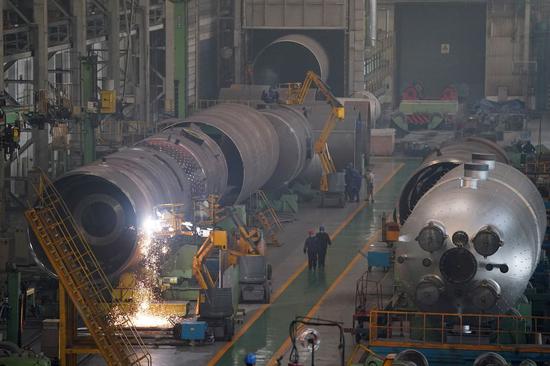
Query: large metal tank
point(442, 160)
point(231, 150)
point(472, 240)
point(288, 58)
point(249, 143)
point(295, 142)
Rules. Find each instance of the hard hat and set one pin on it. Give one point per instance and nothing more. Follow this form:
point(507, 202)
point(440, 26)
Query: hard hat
point(250, 359)
point(310, 232)
point(321, 228)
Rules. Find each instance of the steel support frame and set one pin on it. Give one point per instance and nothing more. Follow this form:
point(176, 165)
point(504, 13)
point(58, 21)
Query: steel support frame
point(169, 57)
point(70, 344)
point(143, 89)
point(40, 69)
point(180, 57)
point(88, 82)
point(113, 43)
point(14, 302)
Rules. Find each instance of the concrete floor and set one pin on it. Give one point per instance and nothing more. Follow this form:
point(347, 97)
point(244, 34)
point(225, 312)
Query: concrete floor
point(296, 291)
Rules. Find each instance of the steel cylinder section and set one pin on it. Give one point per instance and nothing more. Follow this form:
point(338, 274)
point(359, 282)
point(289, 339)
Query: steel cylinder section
point(295, 142)
point(472, 240)
point(442, 160)
point(231, 150)
point(198, 156)
point(249, 143)
point(288, 58)
point(111, 199)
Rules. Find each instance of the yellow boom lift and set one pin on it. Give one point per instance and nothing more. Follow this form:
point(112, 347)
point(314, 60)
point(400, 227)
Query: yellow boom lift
point(332, 182)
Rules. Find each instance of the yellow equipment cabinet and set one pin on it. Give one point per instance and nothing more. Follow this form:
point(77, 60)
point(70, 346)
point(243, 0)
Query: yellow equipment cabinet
point(108, 101)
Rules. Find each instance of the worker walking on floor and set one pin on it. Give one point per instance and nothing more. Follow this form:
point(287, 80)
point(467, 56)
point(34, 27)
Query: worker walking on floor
point(310, 248)
point(322, 240)
point(369, 177)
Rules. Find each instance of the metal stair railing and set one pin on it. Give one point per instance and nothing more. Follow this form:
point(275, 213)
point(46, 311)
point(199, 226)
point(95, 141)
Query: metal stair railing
point(83, 279)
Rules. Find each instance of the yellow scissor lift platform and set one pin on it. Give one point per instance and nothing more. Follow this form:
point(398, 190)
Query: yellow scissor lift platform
point(83, 281)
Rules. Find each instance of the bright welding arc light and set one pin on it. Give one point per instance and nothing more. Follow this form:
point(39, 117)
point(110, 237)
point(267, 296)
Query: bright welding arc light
point(204, 233)
point(151, 226)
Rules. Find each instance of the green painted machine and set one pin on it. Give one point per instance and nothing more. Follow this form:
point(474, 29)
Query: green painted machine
point(12, 355)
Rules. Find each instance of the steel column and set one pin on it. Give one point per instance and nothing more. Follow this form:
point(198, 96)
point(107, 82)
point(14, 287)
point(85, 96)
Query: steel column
point(3, 196)
point(2, 46)
point(88, 82)
point(169, 57)
point(14, 311)
point(78, 29)
point(180, 57)
point(143, 102)
point(40, 69)
point(113, 43)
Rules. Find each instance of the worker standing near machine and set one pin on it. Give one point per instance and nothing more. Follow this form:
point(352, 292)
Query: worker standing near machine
point(322, 240)
point(369, 178)
point(310, 248)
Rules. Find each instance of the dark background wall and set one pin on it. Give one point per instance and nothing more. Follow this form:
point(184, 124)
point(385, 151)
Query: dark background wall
point(421, 30)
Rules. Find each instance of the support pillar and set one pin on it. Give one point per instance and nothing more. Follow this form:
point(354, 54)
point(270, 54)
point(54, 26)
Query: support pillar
point(88, 80)
point(40, 69)
point(180, 58)
point(78, 28)
point(113, 43)
point(2, 86)
point(143, 100)
point(238, 42)
point(3, 196)
point(14, 301)
point(169, 57)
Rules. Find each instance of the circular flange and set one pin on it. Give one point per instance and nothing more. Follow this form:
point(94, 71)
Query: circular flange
point(458, 265)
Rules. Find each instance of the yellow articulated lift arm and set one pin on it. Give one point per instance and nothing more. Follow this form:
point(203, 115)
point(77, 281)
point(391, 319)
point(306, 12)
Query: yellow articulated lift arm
point(216, 239)
point(296, 95)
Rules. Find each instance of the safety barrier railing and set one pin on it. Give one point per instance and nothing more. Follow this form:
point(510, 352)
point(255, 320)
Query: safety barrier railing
point(460, 331)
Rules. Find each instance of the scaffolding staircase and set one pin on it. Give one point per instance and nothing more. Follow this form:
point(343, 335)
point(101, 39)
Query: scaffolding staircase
point(83, 279)
point(267, 217)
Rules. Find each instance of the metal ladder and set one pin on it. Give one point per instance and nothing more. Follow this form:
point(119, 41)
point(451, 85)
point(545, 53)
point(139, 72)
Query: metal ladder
point(83, 279)
point(267, 217)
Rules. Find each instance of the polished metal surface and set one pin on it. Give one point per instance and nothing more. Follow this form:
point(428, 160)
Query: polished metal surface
point(268, 71)
point(473, 239)
point(442, 160)
point(295, 142)
point(231, 150)
point(249, 143)
point(111, 199)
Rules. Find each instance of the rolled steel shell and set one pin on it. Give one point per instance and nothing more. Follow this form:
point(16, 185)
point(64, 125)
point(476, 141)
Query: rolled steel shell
point(447, 157)
point(295, 142)
point(249, 143)
point(472, 240)
point(111, 199)
point(304, 41)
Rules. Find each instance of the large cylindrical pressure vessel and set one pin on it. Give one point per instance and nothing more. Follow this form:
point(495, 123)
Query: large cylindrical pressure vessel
point(473, 240)
point(231, 150)
point(442, 160)
point(249, 143)
point(295, 142)
point(287, 59)
point(111, 199)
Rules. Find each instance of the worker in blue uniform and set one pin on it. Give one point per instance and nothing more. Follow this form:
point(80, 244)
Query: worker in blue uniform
point(323, 241)
point(310, 248)
point(250, 359)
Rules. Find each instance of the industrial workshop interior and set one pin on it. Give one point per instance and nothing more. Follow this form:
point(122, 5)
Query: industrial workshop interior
point(275, 183)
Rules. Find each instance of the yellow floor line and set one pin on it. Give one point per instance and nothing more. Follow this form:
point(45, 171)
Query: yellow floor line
point(286, 345)
point(300, 269)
